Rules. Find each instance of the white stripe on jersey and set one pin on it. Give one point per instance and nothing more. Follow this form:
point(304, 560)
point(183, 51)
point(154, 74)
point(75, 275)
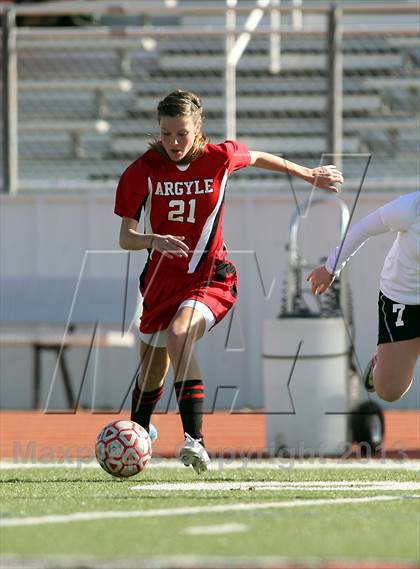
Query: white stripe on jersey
point(205, 234)
point(147, 208)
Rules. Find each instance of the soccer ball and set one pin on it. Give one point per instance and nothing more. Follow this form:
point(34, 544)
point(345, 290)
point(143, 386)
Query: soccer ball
point(123, 448)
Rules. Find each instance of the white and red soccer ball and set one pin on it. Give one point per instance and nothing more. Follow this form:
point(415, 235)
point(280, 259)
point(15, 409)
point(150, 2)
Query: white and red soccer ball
point(123, 448)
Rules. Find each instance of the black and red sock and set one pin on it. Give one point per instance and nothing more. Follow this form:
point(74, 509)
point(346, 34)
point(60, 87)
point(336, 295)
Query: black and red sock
point(143, 404)
point(190, 397)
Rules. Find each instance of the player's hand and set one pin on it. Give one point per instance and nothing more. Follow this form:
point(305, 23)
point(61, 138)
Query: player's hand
point(326, 178)
point(170, 245)
point(320, 279)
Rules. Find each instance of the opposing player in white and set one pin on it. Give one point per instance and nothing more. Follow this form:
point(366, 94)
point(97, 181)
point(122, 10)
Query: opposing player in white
point(390, 371)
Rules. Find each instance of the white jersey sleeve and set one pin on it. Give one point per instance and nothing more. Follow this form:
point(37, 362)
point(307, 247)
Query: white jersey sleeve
point(397, 215)
point(367, 227)
point(401, 213)
point(400, 276)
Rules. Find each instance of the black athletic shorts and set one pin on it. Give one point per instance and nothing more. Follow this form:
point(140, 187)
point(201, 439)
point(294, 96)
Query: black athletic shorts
point(397, 322)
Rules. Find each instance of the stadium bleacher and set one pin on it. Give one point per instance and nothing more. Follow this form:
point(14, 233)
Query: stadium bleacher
point(90, 102)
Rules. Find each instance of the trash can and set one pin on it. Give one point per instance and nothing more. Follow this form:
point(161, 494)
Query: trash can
point(305, 381)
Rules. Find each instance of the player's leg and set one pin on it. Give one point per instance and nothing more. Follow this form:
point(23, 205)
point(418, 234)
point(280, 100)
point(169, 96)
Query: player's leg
point(393, 372)
point(188, 325)
point(154, 365)
point(390, 371)
point(186, 328)
point(206, 306)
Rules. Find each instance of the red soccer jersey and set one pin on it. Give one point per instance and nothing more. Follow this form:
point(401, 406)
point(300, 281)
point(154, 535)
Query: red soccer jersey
point(182, 200)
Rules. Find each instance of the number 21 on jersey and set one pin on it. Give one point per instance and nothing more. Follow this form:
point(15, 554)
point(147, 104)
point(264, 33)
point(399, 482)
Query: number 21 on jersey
point(178, 211)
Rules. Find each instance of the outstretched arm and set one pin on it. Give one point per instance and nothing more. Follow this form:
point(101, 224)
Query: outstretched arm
point(323, 177)
point(396, 215)
point(322, 277)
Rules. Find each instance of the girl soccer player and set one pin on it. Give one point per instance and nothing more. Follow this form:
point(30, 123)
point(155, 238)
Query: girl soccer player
point(188, 285)
point(390, 371)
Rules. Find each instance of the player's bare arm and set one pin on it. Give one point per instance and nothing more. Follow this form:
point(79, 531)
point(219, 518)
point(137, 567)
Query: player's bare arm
point(320, 279)
point(169, 245)
point(323, 177)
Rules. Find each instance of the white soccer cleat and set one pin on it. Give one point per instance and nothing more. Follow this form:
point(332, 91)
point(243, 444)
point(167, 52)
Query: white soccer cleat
point(367, 377)
point(194, 454)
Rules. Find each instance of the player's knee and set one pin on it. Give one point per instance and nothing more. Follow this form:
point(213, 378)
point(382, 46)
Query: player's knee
point(389, 391)
point(176, 337)
point(389, 395)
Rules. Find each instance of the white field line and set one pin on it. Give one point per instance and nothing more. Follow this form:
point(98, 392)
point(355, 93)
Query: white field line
point(220, 464)
point(220, 529)
point(188, 511)
point(333, 486)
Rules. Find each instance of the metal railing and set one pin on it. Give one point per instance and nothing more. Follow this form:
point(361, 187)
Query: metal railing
point(298, 74)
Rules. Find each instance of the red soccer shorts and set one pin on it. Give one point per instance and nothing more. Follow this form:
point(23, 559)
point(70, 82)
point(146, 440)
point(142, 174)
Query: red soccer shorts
point(215, 285)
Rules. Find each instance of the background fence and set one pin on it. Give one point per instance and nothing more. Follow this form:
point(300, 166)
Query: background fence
point(86, 94)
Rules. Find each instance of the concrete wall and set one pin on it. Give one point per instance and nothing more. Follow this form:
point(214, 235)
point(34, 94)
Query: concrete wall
point(44, 240)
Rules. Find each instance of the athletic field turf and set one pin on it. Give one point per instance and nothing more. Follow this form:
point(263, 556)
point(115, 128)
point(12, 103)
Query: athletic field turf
point(261, 515)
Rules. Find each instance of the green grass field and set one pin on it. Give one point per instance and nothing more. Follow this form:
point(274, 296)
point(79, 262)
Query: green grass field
point(292, 513)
